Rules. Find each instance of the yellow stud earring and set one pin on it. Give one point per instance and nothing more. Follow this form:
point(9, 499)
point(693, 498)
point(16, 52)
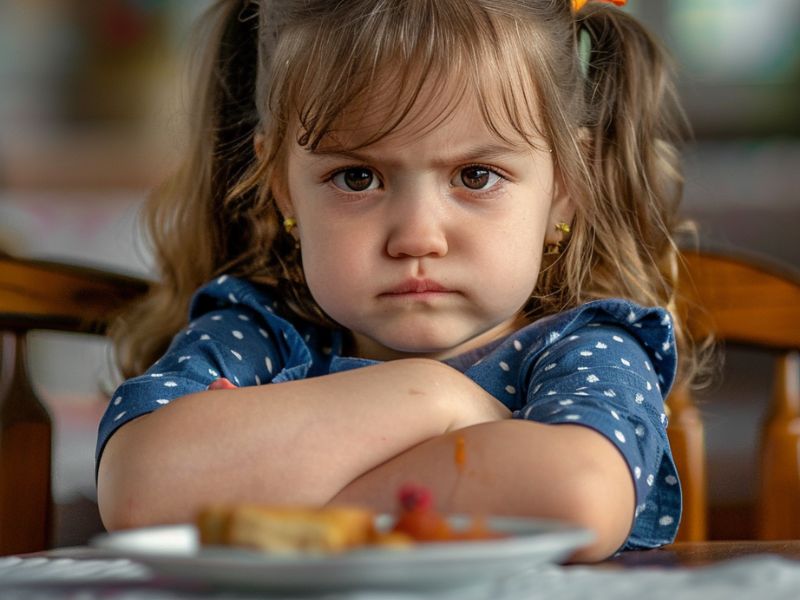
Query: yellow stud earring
point(553, 249)
point(289, 223)
point(563, 228)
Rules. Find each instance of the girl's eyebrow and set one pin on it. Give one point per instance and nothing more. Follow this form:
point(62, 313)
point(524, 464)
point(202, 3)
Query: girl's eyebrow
point(476, 153)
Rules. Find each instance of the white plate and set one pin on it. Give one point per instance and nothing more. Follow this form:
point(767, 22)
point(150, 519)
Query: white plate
point(174, 551)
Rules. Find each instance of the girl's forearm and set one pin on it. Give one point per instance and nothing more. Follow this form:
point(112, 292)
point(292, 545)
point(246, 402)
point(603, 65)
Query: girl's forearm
point(515, 467)
point(296, 442)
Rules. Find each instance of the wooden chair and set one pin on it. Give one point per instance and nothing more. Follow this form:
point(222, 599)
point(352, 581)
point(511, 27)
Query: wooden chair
point(749, 302)
point(51, 296)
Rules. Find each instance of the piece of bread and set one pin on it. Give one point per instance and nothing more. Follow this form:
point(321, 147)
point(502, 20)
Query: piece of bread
point(288, 529)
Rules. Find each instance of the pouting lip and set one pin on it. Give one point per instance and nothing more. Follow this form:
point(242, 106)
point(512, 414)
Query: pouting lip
point(417, 286)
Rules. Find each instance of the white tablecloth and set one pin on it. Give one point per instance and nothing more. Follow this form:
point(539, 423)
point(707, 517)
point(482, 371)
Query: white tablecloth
point(759, 577)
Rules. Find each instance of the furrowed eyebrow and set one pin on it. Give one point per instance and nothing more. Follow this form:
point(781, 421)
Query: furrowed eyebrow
point(480, 153)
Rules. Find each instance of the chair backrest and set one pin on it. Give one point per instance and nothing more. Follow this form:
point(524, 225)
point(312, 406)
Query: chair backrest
point(743, 301)
point(51, 296)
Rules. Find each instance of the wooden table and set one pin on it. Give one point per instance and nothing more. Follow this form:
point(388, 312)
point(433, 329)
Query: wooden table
point(695, 554)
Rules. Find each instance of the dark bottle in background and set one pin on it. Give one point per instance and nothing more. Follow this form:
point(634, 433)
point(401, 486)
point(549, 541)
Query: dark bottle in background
point(25, 454)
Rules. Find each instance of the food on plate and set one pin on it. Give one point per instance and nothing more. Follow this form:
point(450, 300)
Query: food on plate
point(331, 530)
point(288, 529)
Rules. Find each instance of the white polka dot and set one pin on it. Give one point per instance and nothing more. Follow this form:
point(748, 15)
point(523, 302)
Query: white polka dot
point(671, 479)
point(583, 368)
point(639, 431)
point(236, 380)
point(170, 384)
point(205, 337)
point(233, 299)
point(551, 366)
point(117, 400)
point(119, 416)
point(244, 318)
point(647, 365)
point(183, 359)
point(619, 435)
point(504, 366)
point(258, 380)
point(551, 393)
point(554, 335)
point(216, 318)
point(566, 402)
point(610, 393)
point(237, 334)
point(658, 356)
point(263, 333)
point(639, 398)
point(307, 337)
point(615, 415)
point(625, 362)
point(156, 374)
point(573, 417)
point(573, 338)
point(592, 378)
point(637, 325)
point(517, 345)
point(663, 418)
point(665, 320)
point(649, 386)
point(162, 401)
point(616, 338)
point(637, 472)
point(638, 510)
point(600, 346)
point(222, 279)
point(631, 317)
point(665, 346)
point(268, 362)
point(213, 373)
point(511, 389)
point(537, 388)
point(236, 354)
point(579, 393)
point(650, 479)
point(586, 353)
point(666, 520)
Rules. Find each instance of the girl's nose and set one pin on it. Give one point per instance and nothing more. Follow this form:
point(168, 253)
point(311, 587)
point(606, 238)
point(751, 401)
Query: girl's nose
point(417, 229)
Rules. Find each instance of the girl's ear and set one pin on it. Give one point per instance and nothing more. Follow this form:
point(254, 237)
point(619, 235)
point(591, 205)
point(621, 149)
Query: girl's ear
point(259, 139)
point(562, 210)
point(278, 185)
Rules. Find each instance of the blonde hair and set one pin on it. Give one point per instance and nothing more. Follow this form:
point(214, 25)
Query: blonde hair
point(613, 126)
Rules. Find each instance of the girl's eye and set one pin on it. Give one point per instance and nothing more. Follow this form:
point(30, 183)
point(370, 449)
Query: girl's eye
point(355, 179)
point(476, 178)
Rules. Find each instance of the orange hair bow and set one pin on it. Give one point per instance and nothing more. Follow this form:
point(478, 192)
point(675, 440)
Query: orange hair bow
point(579, 4)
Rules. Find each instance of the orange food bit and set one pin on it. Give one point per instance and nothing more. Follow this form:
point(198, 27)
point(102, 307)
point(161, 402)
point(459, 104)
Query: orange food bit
point(461, 452)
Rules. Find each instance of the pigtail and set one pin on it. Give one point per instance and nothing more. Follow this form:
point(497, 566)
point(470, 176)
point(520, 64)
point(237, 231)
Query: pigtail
point(635, 127)
point(196, 228)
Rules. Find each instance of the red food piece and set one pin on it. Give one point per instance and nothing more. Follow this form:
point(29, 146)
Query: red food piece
point(418, 518)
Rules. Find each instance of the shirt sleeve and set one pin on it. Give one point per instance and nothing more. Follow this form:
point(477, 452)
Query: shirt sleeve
point(239, 340)
point(602, 377)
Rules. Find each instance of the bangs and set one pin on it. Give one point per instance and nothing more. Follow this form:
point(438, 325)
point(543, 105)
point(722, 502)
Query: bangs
point(370, 69)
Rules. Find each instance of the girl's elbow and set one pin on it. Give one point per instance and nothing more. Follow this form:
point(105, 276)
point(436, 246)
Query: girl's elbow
point(607, 510)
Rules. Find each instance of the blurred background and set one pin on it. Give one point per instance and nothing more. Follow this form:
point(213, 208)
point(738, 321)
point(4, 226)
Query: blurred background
point(92, 97)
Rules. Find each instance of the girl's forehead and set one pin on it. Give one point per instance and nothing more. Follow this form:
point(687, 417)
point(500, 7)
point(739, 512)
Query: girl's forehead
point(390, 110)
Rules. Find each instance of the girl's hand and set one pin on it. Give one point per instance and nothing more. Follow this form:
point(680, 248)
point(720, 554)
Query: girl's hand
point(221, 384)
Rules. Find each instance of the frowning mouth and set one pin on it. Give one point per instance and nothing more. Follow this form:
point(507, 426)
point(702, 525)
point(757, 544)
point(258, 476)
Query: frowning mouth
point(417, 287)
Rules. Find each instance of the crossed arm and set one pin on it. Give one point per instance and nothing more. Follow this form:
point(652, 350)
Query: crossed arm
point(353, 438)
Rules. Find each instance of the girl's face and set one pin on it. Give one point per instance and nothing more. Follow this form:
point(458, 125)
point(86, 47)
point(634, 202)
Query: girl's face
point(424, 243)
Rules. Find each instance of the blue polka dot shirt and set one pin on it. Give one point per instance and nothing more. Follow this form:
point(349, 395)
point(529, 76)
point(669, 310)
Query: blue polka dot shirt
point(606, 365)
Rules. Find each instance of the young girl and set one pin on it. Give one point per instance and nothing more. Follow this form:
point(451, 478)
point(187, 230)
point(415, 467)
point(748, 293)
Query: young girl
point(411, 222)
